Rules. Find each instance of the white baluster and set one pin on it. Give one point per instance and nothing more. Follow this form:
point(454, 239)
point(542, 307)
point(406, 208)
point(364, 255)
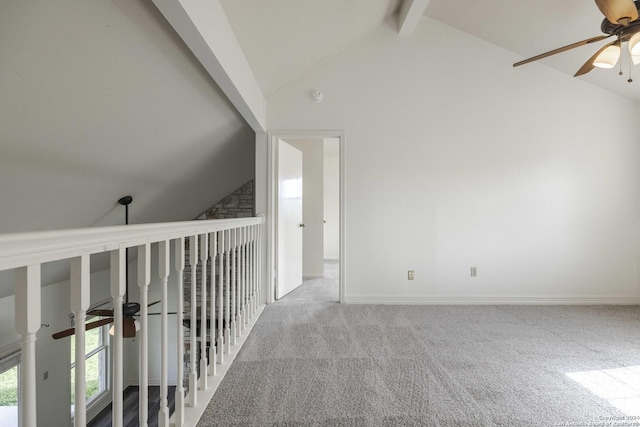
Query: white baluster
point(252, 269)
point(245, 269)
point(27, 318)
point(256, 269)
point(118, 283)
point(144, 278)
point(227, 315)
point(212, 295)
point(239, 317)
point(220, 342)
point(234, 242)
point(259, 276)
point(163, 264)
point(178, 245)
point(204, 256)
point(80, 300)
point(193, 325)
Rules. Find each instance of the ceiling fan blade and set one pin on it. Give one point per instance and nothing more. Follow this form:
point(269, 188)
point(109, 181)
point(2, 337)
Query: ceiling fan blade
point(88, 326)
point(100, 313)
point(588, 66)
point(618, 11)
point(562, 49)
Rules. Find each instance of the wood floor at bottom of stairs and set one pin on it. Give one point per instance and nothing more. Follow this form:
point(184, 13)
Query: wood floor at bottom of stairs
point(131, 405)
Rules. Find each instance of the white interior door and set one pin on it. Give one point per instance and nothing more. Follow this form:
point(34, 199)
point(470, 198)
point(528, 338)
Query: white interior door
point(290, 226)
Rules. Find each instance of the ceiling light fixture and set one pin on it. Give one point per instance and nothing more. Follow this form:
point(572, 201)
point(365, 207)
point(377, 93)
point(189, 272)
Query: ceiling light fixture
point(634, 46)
point(608, 58)
point(622, 22)
point(126, 325)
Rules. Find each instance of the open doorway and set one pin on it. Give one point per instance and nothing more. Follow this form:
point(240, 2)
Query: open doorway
point(320, 225)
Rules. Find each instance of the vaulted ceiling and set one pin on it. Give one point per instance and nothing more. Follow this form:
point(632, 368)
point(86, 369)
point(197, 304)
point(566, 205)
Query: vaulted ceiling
point(529, 28)
point(283, 39)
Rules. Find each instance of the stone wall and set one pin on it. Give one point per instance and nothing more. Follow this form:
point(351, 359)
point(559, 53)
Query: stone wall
point(239, 204)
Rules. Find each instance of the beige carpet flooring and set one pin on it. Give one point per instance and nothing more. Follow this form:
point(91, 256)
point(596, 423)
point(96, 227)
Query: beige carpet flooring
point(327, 364)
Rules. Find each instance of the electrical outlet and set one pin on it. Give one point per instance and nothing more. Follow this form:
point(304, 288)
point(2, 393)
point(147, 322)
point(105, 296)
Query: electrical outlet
point(410, 275)
point(474, 271)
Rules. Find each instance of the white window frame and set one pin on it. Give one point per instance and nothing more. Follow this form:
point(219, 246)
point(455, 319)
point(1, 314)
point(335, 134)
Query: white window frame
point(96, 403)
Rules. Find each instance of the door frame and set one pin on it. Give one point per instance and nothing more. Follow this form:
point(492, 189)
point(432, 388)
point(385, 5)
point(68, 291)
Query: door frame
point(272, 201)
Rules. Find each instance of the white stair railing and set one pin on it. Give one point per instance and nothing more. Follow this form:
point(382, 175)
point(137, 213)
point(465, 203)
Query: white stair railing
point(231, 248)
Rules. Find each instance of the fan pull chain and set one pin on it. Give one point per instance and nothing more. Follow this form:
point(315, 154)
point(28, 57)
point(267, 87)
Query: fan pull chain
point(630, 63)
point(620, 72)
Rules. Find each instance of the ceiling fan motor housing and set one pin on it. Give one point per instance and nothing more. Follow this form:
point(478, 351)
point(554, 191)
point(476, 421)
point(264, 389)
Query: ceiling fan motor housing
point(130, 308)
point(623, 32)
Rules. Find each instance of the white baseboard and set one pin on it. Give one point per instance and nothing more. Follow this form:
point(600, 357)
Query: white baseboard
point(494, 300)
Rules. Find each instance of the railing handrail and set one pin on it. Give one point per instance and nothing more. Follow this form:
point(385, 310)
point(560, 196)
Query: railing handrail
point(21, 249)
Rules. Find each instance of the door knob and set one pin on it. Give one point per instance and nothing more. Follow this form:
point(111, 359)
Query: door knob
point(301, 225)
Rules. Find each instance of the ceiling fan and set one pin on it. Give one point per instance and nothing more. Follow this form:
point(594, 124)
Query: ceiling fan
point(129, 324)
point(621, 21)
point(129, 309)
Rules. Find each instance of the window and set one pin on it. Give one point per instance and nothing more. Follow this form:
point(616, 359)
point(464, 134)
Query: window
point(97, 362)
point(9, 389)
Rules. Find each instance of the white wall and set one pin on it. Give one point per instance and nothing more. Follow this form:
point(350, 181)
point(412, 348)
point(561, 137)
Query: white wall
point(455, 159)
point(101, 100)
point(262, 194)
point(312, 204)
point(332, 198)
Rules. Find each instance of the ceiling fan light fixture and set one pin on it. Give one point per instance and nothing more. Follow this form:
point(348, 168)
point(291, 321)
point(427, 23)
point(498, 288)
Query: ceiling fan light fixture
point(608, 58)
point(622, 12)
point(126, 333)
point(634, 44)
